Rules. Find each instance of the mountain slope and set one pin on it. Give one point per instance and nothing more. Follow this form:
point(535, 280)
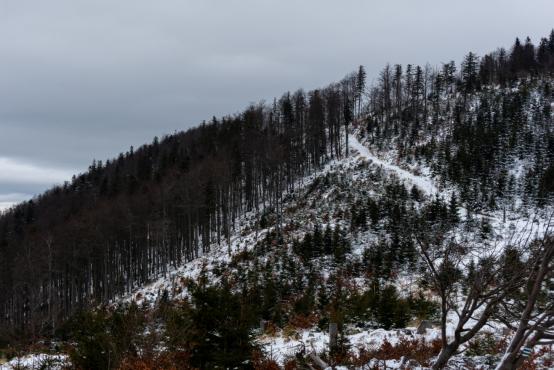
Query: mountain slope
point(373, 208)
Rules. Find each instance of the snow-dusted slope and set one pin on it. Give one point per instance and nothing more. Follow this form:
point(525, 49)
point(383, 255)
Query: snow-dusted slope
point(505, 226)
point(325, 198)
point(36, 362)
point(423, 183)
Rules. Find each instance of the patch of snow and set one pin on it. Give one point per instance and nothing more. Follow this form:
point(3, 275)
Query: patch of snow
point(36, 361)
point(422, 183)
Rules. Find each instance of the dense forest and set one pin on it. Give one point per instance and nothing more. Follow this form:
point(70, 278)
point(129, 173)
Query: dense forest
point(483, 129)
point(471, 127)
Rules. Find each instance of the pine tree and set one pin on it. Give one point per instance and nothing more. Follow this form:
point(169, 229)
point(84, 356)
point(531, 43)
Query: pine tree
point(347, 117)
point(308, 247)
point(517, 57)
point(544, 55)
point(328, 241)
point(360, 87)
point(453, 215)
point(397, 86)
point(449, 75)
point(387, 308)
point(341, 245)
point(529, 62)
point(470, 72)
point(317, 241)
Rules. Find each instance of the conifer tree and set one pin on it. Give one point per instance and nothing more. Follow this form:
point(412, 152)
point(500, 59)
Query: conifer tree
point(360, 87)
point(470, 72)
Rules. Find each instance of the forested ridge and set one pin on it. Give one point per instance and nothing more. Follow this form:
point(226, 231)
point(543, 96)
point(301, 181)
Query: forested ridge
point(481, 130)
point(473, 127)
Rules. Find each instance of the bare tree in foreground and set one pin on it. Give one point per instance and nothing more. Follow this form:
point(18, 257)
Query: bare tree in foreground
point(451, 266)
point(536, 318)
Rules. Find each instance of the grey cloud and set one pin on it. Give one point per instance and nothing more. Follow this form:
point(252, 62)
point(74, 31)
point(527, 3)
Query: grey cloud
point(14, 171)
point(87, 79)
point(9, 199)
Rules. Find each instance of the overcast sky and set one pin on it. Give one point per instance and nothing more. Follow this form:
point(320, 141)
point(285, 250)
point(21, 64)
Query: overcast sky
point(88, 79)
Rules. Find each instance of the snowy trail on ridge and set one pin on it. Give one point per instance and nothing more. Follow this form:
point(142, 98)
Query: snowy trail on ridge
point(421, 182)
point(517, 225)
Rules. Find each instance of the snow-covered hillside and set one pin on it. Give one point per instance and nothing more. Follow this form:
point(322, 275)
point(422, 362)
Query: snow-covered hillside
point(325, 199)
point(406, 225)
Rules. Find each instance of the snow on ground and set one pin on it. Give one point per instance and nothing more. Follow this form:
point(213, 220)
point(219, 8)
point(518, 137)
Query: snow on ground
point(282, 347)
point(36, 361)
point(219, 254)
point(506, 225)
point(422, 183)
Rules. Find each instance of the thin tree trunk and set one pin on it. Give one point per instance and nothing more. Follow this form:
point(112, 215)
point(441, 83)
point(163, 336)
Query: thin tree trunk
point(445, 354)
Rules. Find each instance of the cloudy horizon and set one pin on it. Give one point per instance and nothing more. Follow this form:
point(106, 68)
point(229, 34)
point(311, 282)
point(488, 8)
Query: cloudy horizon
point(86, 80)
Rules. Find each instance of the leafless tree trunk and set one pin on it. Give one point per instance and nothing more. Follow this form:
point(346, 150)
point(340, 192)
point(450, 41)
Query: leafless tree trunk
point(536, 320)
point(446, 263)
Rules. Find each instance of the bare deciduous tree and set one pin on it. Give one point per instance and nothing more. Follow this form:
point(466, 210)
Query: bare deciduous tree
point(536, 313)
point(450, 266)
